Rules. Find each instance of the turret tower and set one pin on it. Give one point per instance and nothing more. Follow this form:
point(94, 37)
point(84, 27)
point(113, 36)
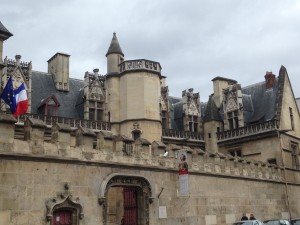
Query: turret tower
point(114, 56)
point(133, 95)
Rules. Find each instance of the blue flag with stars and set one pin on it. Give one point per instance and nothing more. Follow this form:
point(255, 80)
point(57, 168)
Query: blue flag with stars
point(8, 95)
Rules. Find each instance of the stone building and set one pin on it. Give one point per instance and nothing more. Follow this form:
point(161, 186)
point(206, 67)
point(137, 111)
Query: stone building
point(104, 150)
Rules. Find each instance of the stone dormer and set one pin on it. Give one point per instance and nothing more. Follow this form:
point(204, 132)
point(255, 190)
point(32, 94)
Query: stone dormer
point(191, 110)
point(220, 83)
point(58, 66)
point(94, 96)
point(21, 72)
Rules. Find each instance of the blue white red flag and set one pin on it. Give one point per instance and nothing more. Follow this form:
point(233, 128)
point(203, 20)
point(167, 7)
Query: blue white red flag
point(16, 99)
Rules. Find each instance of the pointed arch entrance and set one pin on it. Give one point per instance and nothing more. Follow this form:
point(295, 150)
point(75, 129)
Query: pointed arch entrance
point(125, 199)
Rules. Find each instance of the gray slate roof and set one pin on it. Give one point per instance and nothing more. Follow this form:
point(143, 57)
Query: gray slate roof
point(4, 30)
point(114, 46)
point(259, 102)
point(43, 87)
point(212, 112)
point(176, 111)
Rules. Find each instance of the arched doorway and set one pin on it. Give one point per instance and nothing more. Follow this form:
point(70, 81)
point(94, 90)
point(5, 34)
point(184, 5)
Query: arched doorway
point(125, 199)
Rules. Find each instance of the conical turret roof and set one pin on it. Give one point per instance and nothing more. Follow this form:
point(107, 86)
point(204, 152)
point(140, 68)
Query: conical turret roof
point(114, 46)
point(212, 111)
point(4, 33)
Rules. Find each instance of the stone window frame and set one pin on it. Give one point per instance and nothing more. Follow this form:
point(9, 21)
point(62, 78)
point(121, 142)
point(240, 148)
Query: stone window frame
point(65, 201)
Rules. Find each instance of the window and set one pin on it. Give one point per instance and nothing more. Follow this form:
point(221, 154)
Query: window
point(235, 152)
point(49, 106)
point(136, 134)
point(96, 111)
point(272, 161)
point(294, 154)
point(233, 120)
point(164, 119)
point(127, 148)
point(291, 118)
point(193, 123)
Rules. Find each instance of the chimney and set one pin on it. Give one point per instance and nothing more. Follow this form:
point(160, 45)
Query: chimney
point(270, 80)
point(58, 66)
point(18, 59)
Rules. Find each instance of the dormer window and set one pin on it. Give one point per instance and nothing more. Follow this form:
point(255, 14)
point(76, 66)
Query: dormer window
point(193, 123)
point(164, 119)
point(49, 106)
point(233, 120)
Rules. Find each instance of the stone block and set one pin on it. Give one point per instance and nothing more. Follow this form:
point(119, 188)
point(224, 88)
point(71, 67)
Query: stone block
point(5, 217)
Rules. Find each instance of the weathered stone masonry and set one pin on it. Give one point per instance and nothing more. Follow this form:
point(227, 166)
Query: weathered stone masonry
point(221, 188)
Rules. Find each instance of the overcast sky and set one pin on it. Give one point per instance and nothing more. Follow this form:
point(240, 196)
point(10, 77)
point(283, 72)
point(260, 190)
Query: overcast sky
point(194, 40)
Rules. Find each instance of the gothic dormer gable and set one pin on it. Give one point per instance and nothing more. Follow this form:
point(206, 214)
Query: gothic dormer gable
point(232, 98)
point(20, 71)
point(191, 102)
point(163, 104)
point(192, 109)
point(96, 93)
point(95, 85)
point(164, 98)
point(18, 78)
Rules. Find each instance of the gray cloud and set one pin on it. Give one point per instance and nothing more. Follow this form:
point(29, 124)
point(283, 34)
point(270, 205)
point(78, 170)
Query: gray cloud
point(193, 40)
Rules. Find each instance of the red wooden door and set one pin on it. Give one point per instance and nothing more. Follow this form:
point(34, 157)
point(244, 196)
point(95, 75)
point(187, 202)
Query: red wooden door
point(62, 218)
point(130, 206)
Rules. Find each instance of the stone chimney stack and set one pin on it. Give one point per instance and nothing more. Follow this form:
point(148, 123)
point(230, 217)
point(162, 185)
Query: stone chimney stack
point(58, 66)
point(18, 59)
point(270, 80)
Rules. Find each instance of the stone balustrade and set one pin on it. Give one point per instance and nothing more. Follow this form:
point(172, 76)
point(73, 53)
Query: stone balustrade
point(50, 120)
point(182, 134)
point(258, 128)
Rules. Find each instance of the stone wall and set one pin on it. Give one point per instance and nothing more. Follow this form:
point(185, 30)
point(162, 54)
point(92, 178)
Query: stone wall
point(221, 188)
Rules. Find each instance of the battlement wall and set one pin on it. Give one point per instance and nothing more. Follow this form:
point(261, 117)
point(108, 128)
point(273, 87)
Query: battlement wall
point(85, 145)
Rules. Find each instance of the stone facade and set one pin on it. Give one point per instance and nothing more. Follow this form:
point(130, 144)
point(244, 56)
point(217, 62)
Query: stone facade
point(221, 188)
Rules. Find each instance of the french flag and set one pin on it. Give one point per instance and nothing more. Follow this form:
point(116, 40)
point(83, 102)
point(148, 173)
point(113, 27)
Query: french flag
point(16, 99)
point(21, 100)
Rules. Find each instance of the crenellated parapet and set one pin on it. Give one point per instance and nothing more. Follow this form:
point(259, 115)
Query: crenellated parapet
point(83, 144)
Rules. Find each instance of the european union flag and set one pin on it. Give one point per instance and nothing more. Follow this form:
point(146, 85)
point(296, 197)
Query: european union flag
point(8, 95)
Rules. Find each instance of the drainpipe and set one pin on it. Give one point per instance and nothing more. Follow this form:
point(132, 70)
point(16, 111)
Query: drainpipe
point(284, 172)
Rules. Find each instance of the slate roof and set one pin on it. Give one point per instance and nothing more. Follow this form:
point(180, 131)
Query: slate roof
point(212, 112)
point(114, 46)
point(176, 113)
point(43, 87)
point(259, 102)
point(4, 30)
